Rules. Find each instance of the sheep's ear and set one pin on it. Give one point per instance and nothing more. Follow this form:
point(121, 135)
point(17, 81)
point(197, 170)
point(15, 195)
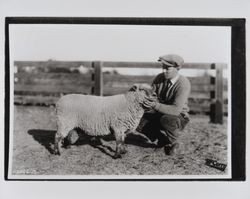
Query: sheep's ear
point(135, 87)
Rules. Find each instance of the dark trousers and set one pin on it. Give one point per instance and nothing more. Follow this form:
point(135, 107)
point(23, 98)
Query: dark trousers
point(163, 127)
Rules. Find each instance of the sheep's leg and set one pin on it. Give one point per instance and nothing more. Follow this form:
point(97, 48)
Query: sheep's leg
point(96, 141)
point(62, 132)
point(119, 144)
point(123, 147)
point(58, 143)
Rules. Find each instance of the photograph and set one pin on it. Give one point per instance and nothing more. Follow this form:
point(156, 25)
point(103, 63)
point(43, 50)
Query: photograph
point(123, 99)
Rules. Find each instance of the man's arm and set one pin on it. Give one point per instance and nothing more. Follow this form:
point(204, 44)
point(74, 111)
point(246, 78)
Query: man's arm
point(181, 98)
point(179, 102)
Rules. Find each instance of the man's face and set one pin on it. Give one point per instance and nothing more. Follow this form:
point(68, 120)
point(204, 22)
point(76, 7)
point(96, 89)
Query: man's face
point(169, 71)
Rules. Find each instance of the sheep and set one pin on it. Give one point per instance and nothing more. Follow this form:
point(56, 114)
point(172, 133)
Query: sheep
point(99, 116)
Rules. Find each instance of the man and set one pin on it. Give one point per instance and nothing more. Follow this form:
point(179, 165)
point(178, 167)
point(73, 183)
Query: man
point(170, 114)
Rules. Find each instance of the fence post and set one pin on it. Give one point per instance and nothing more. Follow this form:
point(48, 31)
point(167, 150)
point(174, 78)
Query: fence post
point(216, 108)
point(97, 78)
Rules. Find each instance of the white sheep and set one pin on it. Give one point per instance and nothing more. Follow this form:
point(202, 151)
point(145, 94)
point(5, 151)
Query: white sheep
point(98, 116)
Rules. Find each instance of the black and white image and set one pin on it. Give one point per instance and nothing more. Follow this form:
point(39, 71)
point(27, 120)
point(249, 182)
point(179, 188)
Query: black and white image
point(105, 101)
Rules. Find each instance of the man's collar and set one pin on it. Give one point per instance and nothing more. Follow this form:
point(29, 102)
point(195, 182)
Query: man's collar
point(174, 80)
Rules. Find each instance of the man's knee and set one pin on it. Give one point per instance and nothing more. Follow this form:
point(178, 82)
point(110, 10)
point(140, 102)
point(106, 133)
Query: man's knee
point(170, 122)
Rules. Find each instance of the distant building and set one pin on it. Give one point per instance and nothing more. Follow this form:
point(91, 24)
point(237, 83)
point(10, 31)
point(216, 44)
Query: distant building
point(30, 69)
point(80, 69)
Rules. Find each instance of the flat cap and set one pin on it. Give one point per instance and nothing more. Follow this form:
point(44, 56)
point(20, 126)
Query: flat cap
point(172, 60)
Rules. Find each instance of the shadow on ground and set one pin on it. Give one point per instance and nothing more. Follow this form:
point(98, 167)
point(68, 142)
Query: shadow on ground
point(136, 139)
point(46, 138)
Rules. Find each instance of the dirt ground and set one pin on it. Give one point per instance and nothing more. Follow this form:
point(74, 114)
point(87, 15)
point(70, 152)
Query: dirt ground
point(35, 127)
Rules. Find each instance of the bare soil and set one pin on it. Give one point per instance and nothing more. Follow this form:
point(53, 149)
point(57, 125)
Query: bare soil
point(35, 127)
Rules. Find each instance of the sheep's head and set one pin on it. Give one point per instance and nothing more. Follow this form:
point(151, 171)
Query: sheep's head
point(143, 91)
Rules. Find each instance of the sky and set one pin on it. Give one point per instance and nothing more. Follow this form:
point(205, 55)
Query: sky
point(120, 43)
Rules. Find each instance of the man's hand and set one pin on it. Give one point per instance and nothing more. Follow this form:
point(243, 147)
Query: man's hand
point(150, 103)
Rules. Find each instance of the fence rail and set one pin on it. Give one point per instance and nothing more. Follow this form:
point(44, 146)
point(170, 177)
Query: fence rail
point(214, 89)
point(208, 94)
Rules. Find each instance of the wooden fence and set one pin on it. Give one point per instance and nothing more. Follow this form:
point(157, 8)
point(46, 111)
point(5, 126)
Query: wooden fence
point(44, 88)
point(203, 88)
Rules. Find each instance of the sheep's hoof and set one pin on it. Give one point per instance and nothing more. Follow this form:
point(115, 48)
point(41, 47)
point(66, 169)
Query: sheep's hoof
point(117, 156)
point(124, 151)
point(66, 144)
point(57, 152)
